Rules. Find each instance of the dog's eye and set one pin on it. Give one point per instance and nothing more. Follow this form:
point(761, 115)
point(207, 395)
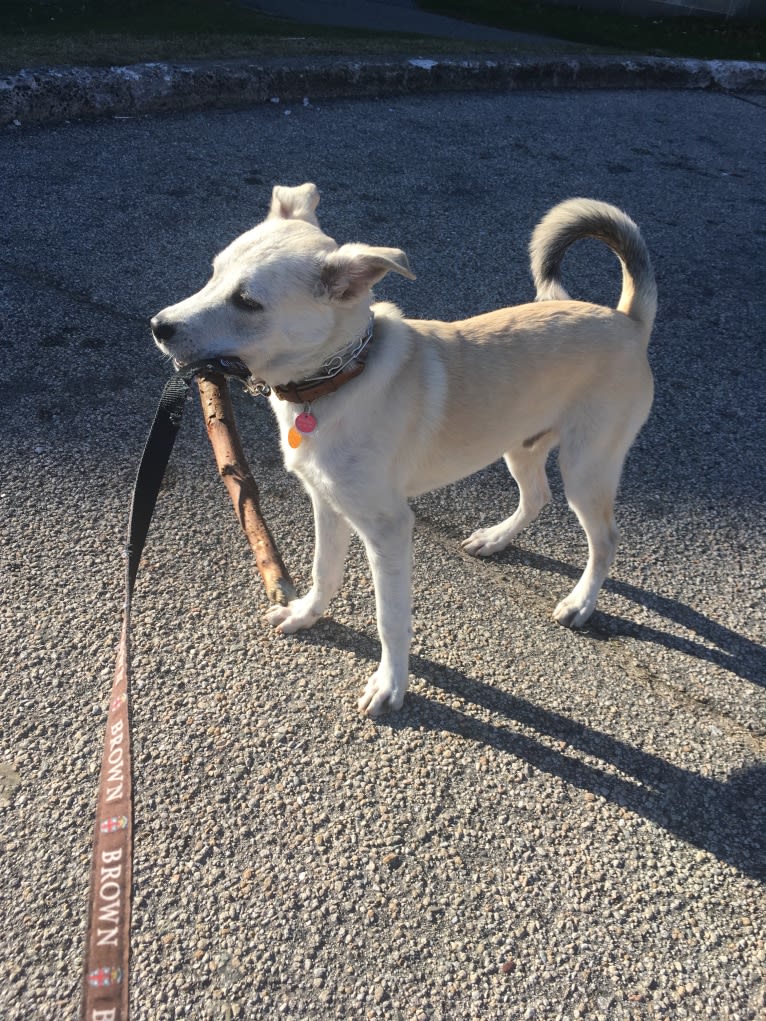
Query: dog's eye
point(242, 300)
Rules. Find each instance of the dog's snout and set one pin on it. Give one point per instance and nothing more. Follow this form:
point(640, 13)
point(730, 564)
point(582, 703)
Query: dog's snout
point(162, 329)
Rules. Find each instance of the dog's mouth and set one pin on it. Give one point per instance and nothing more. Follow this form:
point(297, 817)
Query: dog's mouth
point(228, 365)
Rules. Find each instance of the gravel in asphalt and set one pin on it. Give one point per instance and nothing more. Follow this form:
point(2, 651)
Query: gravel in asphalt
point(557, 825)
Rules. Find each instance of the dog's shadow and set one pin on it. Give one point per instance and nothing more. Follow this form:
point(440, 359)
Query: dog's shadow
point(733, 652)
point(730, 650)
point(725, 818)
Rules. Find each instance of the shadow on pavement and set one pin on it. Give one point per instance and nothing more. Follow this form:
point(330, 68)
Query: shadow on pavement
point(723, 818)
point(734, 652)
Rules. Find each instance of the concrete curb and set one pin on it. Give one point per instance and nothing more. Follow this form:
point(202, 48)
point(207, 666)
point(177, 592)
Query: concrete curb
point(50, 95)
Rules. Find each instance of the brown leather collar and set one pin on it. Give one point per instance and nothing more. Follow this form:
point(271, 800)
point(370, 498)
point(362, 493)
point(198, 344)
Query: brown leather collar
point(312, 389)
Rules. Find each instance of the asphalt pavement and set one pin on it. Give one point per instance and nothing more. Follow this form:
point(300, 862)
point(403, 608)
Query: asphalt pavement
point(557, 825)
point(384, 16)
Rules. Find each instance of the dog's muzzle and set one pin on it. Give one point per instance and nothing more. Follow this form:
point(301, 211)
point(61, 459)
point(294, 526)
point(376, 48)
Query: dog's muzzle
point(231, 366)
point(162, 330)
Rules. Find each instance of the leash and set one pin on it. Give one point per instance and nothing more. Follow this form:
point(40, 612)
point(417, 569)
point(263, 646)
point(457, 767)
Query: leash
point(107, 956)
point(105, 983)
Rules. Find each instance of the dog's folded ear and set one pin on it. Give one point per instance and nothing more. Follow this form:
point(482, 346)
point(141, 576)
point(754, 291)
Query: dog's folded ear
point(294, 203)
point(352, 270)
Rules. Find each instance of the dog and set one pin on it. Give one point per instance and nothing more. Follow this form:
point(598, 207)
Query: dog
point(436, 401)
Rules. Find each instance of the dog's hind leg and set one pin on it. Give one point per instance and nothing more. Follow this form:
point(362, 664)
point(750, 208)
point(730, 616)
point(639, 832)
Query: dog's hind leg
point(527, 466)
point(332, 538)
point(591, 478)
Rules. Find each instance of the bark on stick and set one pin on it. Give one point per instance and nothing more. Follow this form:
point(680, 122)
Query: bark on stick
point(239, 481)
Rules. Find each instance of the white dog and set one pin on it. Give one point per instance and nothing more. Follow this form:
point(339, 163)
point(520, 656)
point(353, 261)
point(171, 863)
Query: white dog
point(435, 402)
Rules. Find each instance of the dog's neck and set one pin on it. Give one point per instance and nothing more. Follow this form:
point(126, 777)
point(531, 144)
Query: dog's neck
point(336, 370)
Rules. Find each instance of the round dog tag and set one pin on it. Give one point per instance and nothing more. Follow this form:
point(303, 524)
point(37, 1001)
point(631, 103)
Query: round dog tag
point(294, 438)
point(305, 422)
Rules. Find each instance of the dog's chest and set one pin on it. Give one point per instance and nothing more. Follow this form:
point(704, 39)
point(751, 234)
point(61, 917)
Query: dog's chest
point(328, 462)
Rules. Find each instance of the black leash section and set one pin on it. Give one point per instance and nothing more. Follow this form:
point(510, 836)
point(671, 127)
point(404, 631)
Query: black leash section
point(105, 993)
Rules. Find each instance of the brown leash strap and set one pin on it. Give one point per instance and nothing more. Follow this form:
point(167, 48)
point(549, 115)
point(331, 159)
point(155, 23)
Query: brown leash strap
point(105, 987)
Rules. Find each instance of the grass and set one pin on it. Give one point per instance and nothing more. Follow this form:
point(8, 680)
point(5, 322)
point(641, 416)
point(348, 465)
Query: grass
point(705, 37)
point(104, 32)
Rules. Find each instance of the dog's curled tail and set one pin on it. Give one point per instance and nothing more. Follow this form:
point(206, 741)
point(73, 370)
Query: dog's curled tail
point(586, 218)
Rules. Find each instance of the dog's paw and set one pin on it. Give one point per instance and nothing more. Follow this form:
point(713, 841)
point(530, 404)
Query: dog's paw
point(486, 541)
point(296, 616)
point(381, 694)
point(572, 612)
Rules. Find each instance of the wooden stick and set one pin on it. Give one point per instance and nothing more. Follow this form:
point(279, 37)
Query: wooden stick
point(238, 479)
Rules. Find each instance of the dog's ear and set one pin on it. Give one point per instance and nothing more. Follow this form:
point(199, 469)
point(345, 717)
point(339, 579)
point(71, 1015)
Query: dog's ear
point(294, 203)
point(353, 269)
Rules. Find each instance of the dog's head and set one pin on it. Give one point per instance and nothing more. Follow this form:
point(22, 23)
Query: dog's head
point(282, 296)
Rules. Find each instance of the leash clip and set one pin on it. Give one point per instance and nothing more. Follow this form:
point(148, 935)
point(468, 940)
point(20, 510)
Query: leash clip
point(256, 387)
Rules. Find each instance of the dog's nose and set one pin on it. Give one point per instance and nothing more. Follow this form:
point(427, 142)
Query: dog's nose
point(162, 329)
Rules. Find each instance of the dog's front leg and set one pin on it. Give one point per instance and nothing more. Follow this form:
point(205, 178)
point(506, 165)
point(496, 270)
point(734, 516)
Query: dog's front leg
point(332, 537)
point(387, 537)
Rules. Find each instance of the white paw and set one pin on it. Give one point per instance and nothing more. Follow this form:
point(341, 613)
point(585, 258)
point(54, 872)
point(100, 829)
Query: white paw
point(486, 541)
point(296, 616)
point(382, 693)
point(573, 612)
